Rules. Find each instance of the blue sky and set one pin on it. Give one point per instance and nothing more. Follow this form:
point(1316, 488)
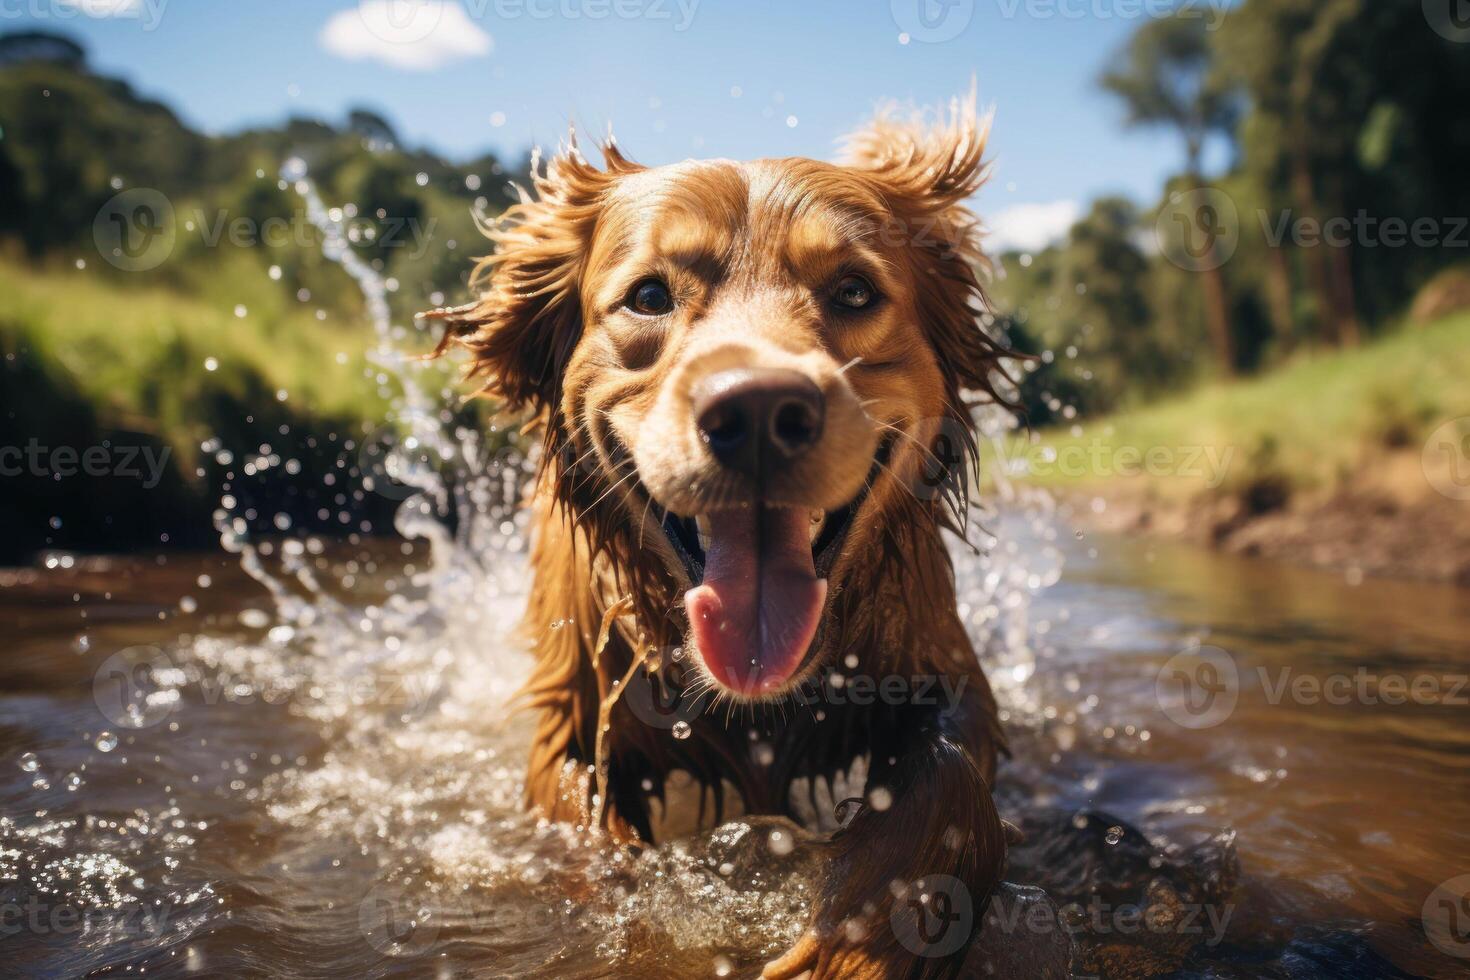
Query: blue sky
point(676, 78)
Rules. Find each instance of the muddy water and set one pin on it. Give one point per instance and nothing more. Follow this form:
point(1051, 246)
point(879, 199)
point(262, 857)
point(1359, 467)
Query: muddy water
point(191, 785)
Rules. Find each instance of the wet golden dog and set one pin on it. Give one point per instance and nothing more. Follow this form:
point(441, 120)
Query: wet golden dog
point(743, 373)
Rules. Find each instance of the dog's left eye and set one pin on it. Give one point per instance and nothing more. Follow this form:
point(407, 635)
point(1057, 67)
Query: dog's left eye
point(651, 298)
point(854, 293)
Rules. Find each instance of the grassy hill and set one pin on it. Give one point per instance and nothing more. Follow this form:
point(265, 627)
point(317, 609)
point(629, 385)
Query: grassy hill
point(142, 372)
point(242, 332)
point(1313, 425)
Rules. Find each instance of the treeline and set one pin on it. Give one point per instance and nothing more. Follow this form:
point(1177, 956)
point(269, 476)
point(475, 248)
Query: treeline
point(1343, 199)
point(73, 141)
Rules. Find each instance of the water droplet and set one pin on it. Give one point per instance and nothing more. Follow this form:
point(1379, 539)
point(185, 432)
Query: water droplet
point(257, 619)
point(781, 842)
point(29, 762)
point(723, 966)
point(1113, 836)
point(881, 798)
point(72, 782)
point(105, 742)
point(682, 730)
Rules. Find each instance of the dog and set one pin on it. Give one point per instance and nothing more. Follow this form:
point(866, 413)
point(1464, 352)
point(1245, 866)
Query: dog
point(750, 382)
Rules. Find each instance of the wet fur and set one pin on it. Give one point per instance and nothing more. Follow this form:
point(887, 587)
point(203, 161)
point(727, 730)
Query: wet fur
point(892, 603)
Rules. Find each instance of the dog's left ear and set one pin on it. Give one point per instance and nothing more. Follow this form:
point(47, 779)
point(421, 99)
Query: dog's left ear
point(521, 331)
point(926, 171)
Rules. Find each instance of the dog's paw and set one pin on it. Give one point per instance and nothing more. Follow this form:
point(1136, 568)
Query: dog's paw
point(815, 958)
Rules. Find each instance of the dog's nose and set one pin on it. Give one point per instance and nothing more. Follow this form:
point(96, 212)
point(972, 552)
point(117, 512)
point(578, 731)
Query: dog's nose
point(755, 419)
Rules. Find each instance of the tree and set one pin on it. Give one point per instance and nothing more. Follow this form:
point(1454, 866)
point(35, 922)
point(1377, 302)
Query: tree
point(373, 128)
point(28, 46)
point(1110, 275)
point(1357, 109)
point(1166, 77)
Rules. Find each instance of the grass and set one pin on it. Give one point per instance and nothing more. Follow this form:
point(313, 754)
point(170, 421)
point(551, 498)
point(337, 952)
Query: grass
point(1309, 425)
point(149, 359)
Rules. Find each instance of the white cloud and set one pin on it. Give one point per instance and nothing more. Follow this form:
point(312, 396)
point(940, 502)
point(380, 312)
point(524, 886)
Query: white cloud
point(1031, 227)
point(414, 35)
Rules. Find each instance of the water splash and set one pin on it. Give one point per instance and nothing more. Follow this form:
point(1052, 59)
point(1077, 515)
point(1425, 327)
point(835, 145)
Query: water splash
point(390, 783)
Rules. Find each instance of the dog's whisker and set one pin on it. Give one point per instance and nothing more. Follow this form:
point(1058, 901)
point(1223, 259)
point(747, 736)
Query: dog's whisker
point(903, 483)
point(899, 431)
point(573, 466)
point(620, 482)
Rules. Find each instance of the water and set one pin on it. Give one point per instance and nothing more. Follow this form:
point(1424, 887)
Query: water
point(295, 758)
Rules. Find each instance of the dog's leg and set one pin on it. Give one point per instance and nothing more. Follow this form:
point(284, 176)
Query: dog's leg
point(911, 875)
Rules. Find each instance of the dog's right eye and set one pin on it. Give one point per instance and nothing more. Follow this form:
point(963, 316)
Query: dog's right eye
point(650, 298)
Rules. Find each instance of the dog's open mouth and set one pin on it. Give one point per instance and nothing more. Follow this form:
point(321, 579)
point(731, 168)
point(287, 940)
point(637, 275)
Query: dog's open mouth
point(759, 586)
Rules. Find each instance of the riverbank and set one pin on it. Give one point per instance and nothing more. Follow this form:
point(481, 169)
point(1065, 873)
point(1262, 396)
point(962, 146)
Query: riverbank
point(1357, 461)
point(127, 410)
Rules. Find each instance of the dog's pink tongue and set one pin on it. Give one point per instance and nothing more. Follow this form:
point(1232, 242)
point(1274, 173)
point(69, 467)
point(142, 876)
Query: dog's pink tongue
point(757, 609)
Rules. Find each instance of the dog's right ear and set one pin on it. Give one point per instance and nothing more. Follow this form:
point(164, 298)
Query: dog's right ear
point(521, 331)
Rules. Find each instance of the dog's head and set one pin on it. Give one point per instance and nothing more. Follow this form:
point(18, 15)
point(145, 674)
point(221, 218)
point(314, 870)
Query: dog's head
point(762, 361)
